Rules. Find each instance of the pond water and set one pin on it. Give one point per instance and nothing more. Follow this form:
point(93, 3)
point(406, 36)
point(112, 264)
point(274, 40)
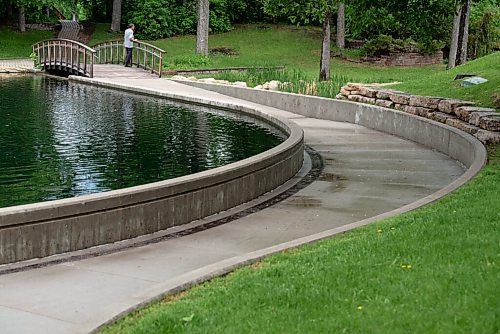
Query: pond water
point(60, 139)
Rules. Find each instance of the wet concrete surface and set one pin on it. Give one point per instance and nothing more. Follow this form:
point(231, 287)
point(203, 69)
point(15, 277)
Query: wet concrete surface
point(366, 173)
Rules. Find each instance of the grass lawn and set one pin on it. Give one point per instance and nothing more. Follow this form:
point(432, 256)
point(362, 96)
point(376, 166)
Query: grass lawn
point(14, 44)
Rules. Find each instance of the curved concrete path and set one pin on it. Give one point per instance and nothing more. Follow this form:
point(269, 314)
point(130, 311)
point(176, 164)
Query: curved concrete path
point(366, 173)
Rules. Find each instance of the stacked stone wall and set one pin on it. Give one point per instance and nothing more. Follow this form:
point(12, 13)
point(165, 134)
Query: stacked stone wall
point(403, 59)
point(483, 123)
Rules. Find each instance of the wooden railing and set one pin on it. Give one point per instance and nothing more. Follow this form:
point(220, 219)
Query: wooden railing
point(65, 55)
point(145, 55)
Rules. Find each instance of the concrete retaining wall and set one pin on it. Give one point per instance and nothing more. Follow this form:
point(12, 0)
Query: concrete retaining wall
point(44, 229)
point(446, 139)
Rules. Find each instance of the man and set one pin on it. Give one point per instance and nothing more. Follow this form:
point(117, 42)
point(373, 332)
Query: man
point(128, 43)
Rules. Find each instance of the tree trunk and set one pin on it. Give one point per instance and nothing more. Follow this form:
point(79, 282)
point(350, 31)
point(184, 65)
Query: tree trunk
point(9, 9)
point(341, 26)
point(202, 28)
point(464, 33)
point(22, 19)
point(116, 16)
point(324, 71)
point(452, 58)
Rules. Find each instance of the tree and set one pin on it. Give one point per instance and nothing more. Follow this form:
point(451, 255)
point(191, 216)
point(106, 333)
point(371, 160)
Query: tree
point(459, 34)
point(464, 33)
point(324, 65)
point(203, 15)
point(116, 16)
point(341, 25)
point(22, 19)
point(306, 11)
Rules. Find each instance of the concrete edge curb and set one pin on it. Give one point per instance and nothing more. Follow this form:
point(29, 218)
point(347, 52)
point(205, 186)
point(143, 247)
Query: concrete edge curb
point(221, 268)
point(62, 215)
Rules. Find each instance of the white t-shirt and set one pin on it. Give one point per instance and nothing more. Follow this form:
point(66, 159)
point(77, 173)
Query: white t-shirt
point(129, 34)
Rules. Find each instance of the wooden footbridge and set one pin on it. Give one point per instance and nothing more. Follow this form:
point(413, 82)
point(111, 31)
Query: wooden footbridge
point(71, 57)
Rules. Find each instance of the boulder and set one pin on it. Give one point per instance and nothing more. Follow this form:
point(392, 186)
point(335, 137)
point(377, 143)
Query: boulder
point(341, 97)
point(425, 101)
point(400, 107)
point(419, 111)
point(441, 117)
point(449, 106)
point(271, 85)
point(383, 94)
point(488, 137)
point(353, 86)
point(354, 98)
point(179, 77)
point(461, 125)
point(399, 98)
point(478, 113)
point(490, 123)
point(384, 103)
point(368, 92)
point(368, 100)
point(240, 84)
point(345, 92)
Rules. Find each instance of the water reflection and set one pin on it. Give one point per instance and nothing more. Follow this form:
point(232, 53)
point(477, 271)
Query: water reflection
point(60, 139)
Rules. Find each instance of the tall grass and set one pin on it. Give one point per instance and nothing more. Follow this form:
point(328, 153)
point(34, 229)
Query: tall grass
point(291, 81)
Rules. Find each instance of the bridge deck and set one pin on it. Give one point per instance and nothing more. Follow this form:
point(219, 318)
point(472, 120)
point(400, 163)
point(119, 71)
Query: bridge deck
point(100, 71)
point(120, 71)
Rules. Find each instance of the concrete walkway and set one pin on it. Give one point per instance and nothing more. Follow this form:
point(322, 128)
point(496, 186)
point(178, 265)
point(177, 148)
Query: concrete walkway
point(16, 65)
point(366, 173)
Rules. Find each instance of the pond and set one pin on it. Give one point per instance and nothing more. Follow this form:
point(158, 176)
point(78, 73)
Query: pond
point(60, 139)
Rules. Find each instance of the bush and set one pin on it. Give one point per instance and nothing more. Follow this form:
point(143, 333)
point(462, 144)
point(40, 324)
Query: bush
point(382, 45)
point(188, 62)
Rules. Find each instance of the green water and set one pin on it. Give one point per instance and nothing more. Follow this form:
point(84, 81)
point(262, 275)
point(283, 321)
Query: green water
point(59, 139)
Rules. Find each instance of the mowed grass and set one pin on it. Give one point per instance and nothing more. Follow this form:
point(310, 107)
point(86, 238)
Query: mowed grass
point(442, 83)
point(433, 270)
point(14, 44)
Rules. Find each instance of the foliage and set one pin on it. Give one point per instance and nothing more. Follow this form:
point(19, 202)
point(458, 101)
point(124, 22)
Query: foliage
point(156, 19)
point(383, 45)
point(484, 32)
point(427, 22)
point(188, 62)
point(299, 11)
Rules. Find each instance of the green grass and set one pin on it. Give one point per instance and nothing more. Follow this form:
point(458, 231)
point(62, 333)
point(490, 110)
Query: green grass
point(441, 83)
point(360, 282)
point(14, 44)
point(103, 33)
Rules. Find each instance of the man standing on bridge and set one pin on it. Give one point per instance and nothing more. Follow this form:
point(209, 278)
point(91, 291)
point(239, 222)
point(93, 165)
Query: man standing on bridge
point(128, 43)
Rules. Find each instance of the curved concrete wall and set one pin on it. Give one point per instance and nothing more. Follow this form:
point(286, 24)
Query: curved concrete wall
point(445, 139)
point(43, 229)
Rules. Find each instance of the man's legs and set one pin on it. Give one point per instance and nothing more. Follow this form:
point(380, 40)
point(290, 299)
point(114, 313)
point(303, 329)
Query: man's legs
point(128, 57)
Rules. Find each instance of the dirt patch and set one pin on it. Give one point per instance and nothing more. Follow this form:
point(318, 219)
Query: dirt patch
point(86, 33)
point(225, 51)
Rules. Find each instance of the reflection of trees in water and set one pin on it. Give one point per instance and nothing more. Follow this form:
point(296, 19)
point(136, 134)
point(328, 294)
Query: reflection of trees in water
point(65, 140)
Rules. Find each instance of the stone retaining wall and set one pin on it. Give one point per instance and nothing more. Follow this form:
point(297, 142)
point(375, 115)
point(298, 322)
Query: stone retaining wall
point(403, 59)
point(483, 123)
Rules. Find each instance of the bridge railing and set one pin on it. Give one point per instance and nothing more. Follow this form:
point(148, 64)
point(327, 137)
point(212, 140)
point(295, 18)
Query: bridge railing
point(145, 55)
point(65, 55)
